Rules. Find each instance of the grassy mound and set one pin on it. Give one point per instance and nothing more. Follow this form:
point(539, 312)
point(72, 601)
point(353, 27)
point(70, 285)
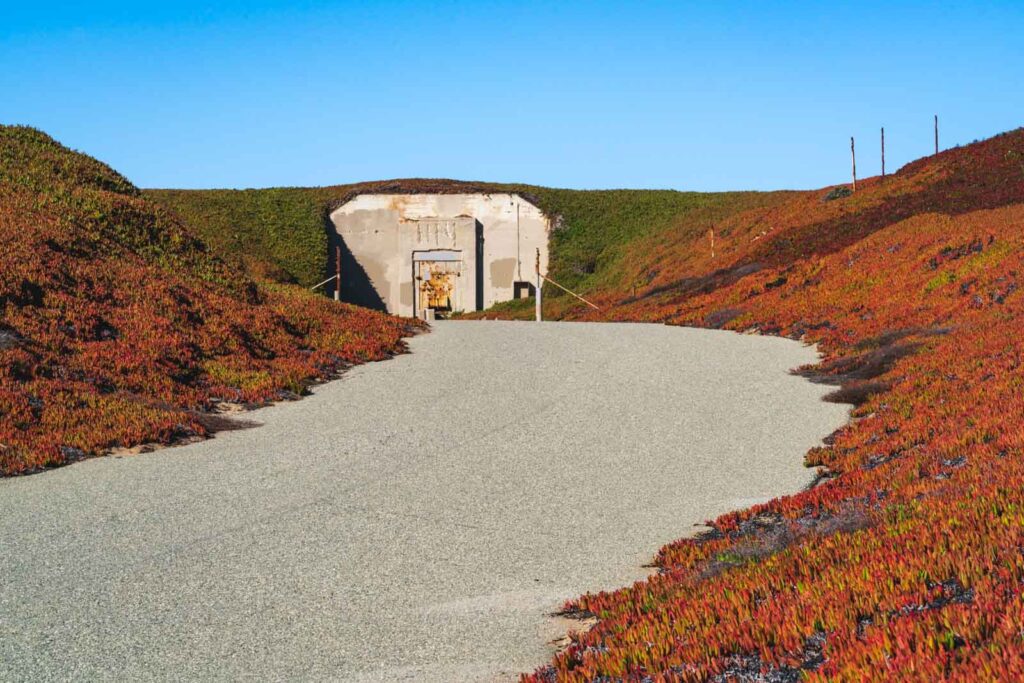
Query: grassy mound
point(274, 234)
point(117, 327)
point(908, 559)
point(281, 233)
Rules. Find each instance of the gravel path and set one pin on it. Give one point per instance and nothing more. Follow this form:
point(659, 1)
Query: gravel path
point(415, 520)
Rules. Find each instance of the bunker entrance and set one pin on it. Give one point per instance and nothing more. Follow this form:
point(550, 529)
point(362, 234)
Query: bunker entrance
point(425, 254)
point(438, 283)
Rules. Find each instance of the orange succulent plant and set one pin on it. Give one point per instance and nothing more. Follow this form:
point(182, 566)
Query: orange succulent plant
point(118, 328)
point(907, 560)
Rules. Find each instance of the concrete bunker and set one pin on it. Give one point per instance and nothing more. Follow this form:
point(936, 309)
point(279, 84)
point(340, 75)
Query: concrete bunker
point(429, 255)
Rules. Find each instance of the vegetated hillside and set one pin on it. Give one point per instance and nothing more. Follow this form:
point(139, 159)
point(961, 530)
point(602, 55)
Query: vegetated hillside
point(281, 233)
point(907, 560)
point(117, 327)
point(275, 234)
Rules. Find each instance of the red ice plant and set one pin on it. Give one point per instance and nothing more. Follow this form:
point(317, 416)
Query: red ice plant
point(907, 560)
point(118, 328)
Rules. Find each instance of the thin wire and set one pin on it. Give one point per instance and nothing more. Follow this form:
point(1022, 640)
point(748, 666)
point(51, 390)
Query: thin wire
point(323, 283)
point(594, 306)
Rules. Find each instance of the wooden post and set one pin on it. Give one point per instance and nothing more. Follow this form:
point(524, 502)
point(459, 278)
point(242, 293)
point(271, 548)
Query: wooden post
point(853, 157)
point(936, 133)
point(539, 283)
point(883, 151)
point(711, 235)
point(337, 272)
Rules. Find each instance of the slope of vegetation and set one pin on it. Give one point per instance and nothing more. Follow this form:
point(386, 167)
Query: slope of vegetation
point(274, 234)
point(907, 560)
point(117, 327)
point(281, 233)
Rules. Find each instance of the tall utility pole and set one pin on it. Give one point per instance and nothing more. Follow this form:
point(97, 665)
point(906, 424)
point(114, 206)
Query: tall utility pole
point(883, 151)
point(853, 158)
point(936, 133)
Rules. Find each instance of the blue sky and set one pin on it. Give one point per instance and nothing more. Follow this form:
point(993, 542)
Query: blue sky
point(697, 96)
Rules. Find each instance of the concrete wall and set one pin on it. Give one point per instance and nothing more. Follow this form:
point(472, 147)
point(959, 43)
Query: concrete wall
point(496, 234)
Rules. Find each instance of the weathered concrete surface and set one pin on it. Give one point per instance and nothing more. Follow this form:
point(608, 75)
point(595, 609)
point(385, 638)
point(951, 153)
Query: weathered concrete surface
point(415, 520)
point(496, 234)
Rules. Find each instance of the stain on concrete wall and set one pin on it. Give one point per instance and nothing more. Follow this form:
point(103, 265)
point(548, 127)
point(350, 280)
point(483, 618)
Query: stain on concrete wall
point(405, 295)
point(493, 237)
point(503, 272)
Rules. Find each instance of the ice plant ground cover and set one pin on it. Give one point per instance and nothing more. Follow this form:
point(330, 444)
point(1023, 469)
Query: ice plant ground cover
point(118, 328)
point(907, 560)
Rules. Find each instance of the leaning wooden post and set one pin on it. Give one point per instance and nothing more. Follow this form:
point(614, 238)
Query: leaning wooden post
point(883, 151)
point(853, 157)
point(539, 283)
point(936, 133)
point(337, 272)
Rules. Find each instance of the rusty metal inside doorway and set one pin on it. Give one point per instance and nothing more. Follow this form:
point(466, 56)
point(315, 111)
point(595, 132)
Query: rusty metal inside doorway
point(438, 276)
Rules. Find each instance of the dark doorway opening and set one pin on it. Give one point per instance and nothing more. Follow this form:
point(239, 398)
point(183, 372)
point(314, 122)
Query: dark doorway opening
point(523, 290)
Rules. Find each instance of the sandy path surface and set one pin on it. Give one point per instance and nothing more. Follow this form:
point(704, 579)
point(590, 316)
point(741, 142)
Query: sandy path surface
point(415, 520)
